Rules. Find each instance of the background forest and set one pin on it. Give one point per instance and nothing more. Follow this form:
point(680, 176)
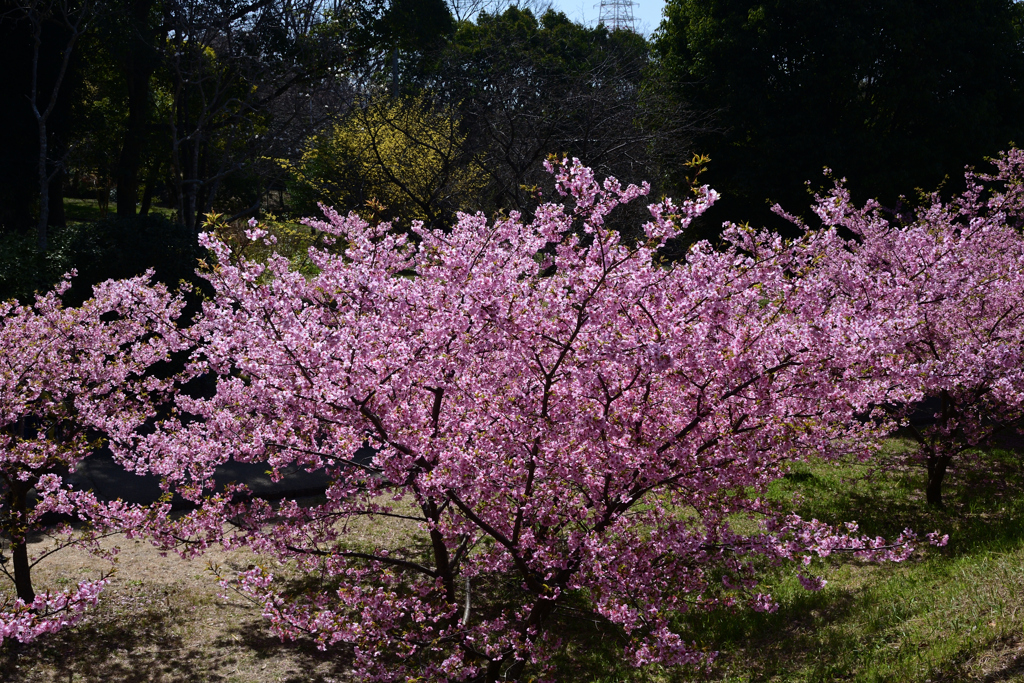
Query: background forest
point(126, 122)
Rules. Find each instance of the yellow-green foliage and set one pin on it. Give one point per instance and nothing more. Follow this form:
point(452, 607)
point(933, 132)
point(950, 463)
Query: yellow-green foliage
point(290, 239)
point(402, 153)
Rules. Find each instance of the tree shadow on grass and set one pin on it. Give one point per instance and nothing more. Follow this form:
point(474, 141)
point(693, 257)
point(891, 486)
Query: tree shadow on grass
point(106, 648)
point(1013, 670)
point(306, 663)
point(765, 645)
point(983, 494)
point(133, 639)
point(835, 634)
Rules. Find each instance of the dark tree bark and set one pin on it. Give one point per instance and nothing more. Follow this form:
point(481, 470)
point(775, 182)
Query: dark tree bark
point(18, 499)
point(147, 193)
point(140, 61)
point(937, 466)
point(57, 219)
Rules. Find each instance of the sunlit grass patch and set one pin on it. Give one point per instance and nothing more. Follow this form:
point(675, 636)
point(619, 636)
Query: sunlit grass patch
point(952, 613)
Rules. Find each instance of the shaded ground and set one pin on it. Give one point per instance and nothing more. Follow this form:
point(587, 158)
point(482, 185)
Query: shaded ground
point(110, 481)
point(947, 615)
point(161, 620)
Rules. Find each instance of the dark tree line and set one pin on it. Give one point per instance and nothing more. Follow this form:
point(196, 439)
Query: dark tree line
point(896, 95)
point(216, 105)
point(530, 86)
point(186, 94)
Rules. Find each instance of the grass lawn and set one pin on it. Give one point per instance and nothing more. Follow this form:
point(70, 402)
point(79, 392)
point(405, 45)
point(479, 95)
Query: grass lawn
point(947, 614)
point(88, 210)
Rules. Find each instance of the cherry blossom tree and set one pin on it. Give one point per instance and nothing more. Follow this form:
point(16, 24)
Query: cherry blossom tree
point(563, 421)
point(63, 373)
point(935, 300)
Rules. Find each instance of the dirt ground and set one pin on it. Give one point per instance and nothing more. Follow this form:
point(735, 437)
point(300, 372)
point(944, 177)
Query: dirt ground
point(161, 619)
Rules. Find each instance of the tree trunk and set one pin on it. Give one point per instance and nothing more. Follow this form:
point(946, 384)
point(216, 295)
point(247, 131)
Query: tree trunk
point(128, 172)
point(505, 670)
point(937, 465)
point(74, 28)
point(103, 198)
point(57, 218)
point(147, 193)
point(138, 70)
point(19, 542)
point(44, 188)
point(939, 457)
point(394, 71)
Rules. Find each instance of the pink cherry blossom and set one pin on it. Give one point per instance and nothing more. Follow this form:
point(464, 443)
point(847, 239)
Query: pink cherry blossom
point(560, 418)
point(65, 374)
point(935, 302)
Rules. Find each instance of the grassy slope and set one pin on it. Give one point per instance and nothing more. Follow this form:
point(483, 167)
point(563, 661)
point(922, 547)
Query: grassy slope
point(947, 614)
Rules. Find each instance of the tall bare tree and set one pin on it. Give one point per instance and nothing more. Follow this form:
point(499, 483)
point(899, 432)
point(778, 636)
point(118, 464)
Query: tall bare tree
point(247, 80)
point(69, 19)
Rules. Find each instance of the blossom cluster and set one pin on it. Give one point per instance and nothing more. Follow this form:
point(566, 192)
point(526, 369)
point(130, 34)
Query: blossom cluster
point(560, 419)
point(66, 374)
point(48, 612)
point(934, 300)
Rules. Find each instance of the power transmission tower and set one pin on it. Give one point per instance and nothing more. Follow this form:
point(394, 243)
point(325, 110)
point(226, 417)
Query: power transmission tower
point(618, 15)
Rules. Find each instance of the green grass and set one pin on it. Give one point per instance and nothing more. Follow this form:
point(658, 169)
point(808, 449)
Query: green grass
point(88, 210)
point(946, 614)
